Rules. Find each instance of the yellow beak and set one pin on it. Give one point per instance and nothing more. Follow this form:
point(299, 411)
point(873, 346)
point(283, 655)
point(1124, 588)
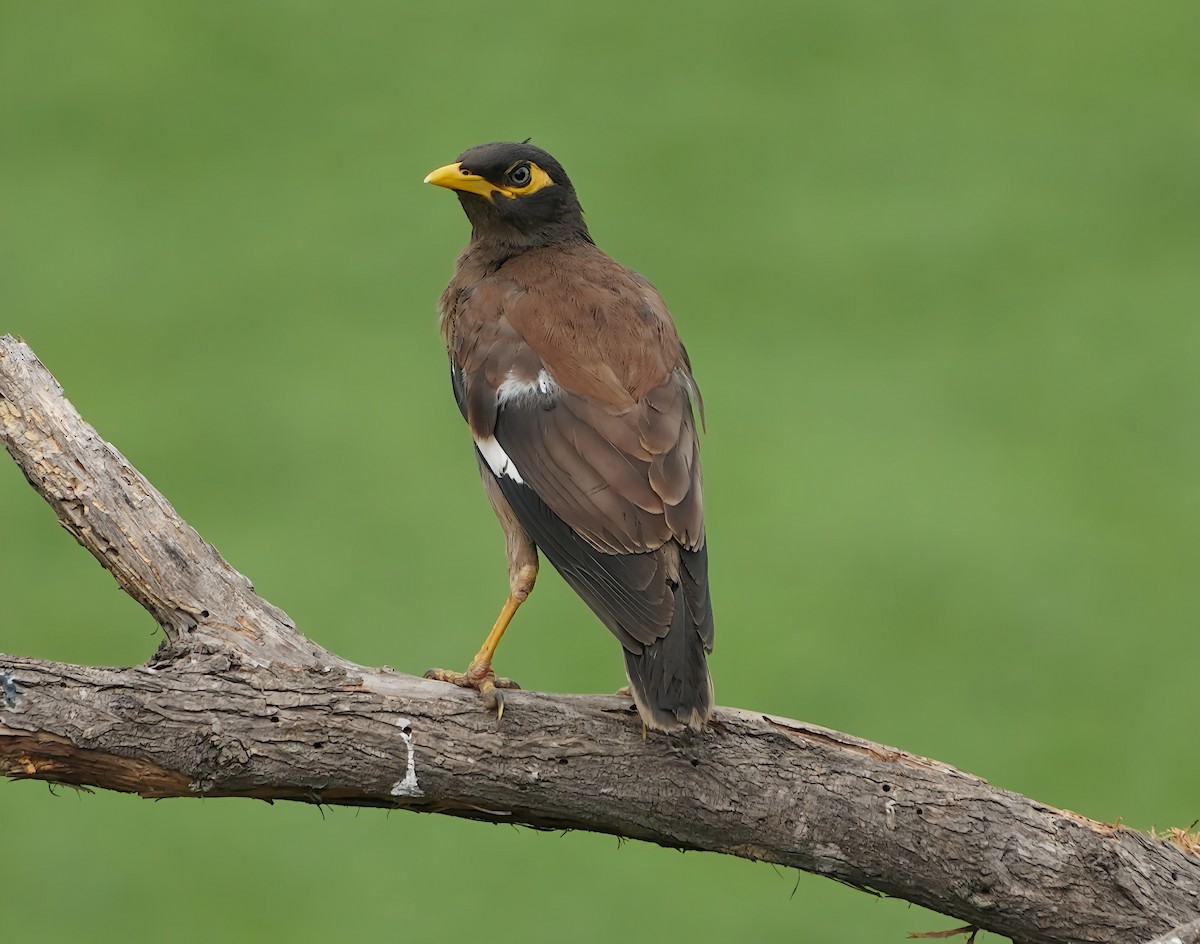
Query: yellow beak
point(455, 178)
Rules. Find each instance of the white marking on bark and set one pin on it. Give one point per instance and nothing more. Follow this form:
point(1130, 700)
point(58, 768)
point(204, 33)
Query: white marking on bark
point(497, 459)
point(408, 785)
point(8, 686)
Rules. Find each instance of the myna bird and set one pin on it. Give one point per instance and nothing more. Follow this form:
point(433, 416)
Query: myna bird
point(579, 397)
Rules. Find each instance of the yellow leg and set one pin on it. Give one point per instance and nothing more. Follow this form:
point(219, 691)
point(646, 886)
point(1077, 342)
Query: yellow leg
point(488, 650)
point(479, 674)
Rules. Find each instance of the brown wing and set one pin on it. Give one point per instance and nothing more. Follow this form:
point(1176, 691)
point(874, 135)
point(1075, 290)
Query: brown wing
point(578, 393)
point(626, 481)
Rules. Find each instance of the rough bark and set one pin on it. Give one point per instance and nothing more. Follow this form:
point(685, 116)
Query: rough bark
point(1185, 934)
point(238, 703)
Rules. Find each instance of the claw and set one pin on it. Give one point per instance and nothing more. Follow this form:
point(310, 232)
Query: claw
point(492, 699)
point(479, 676)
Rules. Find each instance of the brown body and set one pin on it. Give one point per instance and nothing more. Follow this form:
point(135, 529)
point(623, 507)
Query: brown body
point(578, 394)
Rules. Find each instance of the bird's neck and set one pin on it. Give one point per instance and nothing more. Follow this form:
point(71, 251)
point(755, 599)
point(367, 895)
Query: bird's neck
point(495, 238)
point(490, 248)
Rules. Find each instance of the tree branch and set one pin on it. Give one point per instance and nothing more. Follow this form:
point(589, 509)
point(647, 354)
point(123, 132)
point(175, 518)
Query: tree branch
point(238, 703)
point(1184, 934)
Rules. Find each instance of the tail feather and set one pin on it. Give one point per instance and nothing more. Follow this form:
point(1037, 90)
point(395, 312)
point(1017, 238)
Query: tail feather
point(669, 678)
point(656, 603)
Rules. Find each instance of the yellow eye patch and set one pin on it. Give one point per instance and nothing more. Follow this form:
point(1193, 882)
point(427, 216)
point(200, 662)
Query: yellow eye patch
point(538, 179)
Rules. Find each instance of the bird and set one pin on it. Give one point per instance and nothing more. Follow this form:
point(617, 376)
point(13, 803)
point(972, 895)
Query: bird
point(579, 397)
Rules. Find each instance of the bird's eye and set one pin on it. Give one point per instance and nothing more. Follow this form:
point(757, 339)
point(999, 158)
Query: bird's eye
point(520, 175)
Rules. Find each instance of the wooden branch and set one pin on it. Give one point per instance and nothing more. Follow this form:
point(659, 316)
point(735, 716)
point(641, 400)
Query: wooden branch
point(110, 508)
point(237, 703)
point(1184, 934)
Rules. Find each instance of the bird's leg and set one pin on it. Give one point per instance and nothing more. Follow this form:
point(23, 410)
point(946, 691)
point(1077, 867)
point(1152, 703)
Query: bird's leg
point(479, 674)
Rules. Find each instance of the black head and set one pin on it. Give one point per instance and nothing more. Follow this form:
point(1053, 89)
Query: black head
point(514, 193)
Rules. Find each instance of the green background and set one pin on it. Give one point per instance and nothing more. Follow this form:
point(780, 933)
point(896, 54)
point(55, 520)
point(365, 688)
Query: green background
point(938, 268)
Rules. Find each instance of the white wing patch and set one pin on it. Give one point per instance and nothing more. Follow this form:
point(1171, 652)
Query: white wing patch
point(514, 388)
point(497, 459)
point(512, 391)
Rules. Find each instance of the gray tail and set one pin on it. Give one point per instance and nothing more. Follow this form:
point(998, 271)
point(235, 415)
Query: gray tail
point(669, 679)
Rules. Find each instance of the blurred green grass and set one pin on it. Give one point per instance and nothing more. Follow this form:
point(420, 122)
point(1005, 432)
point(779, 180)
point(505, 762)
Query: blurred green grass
point(936, 265)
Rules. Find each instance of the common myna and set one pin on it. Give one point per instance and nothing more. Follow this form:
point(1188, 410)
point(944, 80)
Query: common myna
point(579, 397)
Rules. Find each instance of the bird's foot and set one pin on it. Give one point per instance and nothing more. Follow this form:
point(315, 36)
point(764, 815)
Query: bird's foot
point(483, 679)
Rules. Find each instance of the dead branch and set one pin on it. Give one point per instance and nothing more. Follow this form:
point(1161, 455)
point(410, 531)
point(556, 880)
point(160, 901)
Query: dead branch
point(238, 703)
point(1184, 934)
